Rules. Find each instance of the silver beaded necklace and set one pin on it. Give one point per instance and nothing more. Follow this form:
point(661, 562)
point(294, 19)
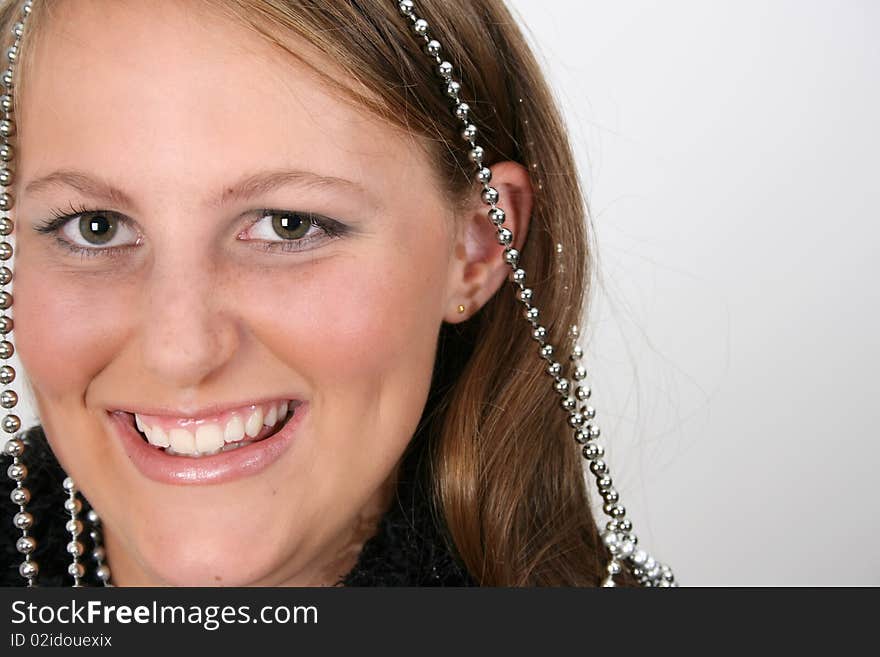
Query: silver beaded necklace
point(618, 536)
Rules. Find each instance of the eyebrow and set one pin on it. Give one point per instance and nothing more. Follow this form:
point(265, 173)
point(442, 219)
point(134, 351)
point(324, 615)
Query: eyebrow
point(245, 188)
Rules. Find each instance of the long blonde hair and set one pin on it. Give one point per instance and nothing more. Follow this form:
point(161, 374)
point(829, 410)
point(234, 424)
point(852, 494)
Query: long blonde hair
point(506, 478)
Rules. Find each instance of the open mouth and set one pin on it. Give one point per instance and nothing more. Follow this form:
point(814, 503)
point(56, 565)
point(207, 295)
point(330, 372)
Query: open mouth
point(228, 431)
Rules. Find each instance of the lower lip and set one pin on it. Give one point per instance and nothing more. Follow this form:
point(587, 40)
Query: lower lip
point(155, 464)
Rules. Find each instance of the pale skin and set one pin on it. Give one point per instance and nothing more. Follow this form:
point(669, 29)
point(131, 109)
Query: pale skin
point(173, 108)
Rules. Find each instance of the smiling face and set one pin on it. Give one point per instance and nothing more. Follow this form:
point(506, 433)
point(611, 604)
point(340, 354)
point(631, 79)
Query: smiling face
point(190, 286)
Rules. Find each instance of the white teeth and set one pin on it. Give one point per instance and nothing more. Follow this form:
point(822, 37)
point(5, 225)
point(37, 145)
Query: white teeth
point(234, 430)
point(212, 437)
point(209, 438)
point(254, 422)
point(182, 441)
point(271, 417)
point(158, 437)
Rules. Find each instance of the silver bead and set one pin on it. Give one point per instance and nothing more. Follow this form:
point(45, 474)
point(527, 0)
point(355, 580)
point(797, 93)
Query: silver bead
point(405, 7)
point(589, 412)
point(74, 527)
point(575, 420)
point(598, 467)
point(626, 549)
point(469, 132)
point(68, 484)
point(461, 111)
point(8, 78)
point(420, 27)
point(604, 483)
point(12, 53)
point(23, 520)
point(518, 275)
point(6, 349)
point(511, 257)
point(577, 352)
point(569, 404)
point(562, 386)
point(76, 570)
point(18, 29)
point(490, 195)
point(432, 48)
point(610, 496)
point(547, 349)
point(539, 333)
point(8, 398)
point(592, 451)
point(505, 237)
point(626, 526)
point(444, 70)
point(497, 216)
point(103, 572)
point(17, 471)
point(7, 152)
point(98, 554)
point(583, 393)
point(5, 250)
point(6, 202)
point(13, 447)
point(75, 548)
point(580, 436)
point(11, 423)
point(484, 175)
point(613, 568)
point(531, 314)
point(453, 88)
point(593, 430)
point(5, 176)
point(7, 374)
point(72, 505)
point(7, 128)
point(20, 496)
point(579, 374)
point(6, 226)
point(92, 517)
point(28, 569)
point(475, 155)
point(639, 557)
point(525, 295)
point(26, 544)
point(5, 277)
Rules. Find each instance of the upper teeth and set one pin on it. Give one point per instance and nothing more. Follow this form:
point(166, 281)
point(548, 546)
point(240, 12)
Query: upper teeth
point(197, 438)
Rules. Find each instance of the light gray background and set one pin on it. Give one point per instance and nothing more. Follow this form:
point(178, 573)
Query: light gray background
point(730, 153)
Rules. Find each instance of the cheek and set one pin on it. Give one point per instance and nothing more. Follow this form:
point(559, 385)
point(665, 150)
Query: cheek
point(67, 327)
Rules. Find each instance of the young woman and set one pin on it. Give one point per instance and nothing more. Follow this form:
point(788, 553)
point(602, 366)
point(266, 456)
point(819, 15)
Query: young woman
point(271, 265)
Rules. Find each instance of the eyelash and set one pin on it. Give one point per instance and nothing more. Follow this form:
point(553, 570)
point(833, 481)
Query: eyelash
point(330, 227)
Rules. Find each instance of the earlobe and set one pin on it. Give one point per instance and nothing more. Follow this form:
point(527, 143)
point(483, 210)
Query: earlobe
point(479, 269)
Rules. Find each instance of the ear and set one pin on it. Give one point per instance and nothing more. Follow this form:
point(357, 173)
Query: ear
point(478, 268)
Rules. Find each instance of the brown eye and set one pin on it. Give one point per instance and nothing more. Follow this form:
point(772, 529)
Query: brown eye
point(291, 225)
point(97, 228)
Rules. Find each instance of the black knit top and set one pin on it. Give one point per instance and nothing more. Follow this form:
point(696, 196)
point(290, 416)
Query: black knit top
point(408, 548)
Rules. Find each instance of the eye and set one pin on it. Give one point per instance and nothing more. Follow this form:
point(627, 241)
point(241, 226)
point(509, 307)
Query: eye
point(90, 232)
point(292, 231)
point(97, 230)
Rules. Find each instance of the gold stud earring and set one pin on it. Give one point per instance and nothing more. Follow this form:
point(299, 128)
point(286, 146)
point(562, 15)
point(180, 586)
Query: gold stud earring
point(461, 308)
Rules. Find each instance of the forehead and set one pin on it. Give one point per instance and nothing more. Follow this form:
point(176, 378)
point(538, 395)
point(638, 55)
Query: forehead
point(172, 92)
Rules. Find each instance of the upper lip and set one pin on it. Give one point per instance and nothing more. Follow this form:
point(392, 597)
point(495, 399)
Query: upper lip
point(197, 413)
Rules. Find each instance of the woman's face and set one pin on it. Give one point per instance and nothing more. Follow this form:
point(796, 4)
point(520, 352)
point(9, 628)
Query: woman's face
point(194, 291)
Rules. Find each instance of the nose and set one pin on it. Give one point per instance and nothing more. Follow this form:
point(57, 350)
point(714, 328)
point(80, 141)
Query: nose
point(189, 327)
